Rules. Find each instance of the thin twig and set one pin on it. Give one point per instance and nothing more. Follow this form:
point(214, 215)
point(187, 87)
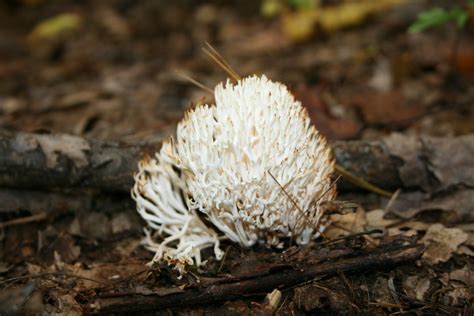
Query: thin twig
point(253, 286)
point(371, 232)
point(391, 202)
point(329, 189)
point(24, 220)
point(361, 182)
point(195, 82)
point(286, 193)
point(317, 201)
point(223, 259)
point(214, 54)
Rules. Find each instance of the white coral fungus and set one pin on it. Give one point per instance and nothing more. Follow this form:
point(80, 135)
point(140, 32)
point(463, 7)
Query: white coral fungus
point(252, 164)
point(158, 193)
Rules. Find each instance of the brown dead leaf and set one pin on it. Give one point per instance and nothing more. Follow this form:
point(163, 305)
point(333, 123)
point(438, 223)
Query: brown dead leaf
point(464, 250)
point(376, 219)
point(381, 291)
point(470, 239)
point(388, 107)
point(457, 152)
point(406, 149)
point(67, 304)
point(464, 275)
point(310, 298)
point(72, 147)
point(76, 98)
point(450, 164)
point(395, 231)
point(33, 268)
point(417, 287)
point(313, 297)
point(456, 207)
point(343, 126)
point(441, 242)
point(346, 224)
point(408, 228)
point(456, 295)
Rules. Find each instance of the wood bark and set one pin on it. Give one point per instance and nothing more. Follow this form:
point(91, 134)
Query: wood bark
point(37, 201)
point(38, 161)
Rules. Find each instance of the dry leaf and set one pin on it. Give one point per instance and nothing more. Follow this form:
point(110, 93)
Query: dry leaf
point(33, 268)
point(321, 109)
point(456, 207)
point(464, 250)
point(458, 295)
point(388, 107)
point(409, 228)
point(417, 287)
point(67, 304)
point(395, 231)
point(54, 27)
point(375, 219)
point(464, 275)
point(381, 291)
point(346, 224)
point(441, 242)
point(300, 25)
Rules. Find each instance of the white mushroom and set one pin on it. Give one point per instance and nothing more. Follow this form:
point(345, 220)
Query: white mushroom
point(252, 163)
point(159, 194)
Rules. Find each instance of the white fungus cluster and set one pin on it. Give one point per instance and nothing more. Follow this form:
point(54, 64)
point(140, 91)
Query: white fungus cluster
point(252, 164)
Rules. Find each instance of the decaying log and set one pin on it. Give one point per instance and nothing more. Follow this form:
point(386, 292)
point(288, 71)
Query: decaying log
point(36, 201)
point(36, 161)
point(62, 161)
point(257, 285)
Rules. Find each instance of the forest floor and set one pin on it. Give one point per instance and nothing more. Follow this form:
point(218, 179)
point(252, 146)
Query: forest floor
point(111, 74)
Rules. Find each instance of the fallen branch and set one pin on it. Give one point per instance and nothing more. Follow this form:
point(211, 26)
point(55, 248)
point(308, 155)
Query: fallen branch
point(258, 285)
point(38, 202)
point(35, 161)
point(63, 161)
point(427, 164)
point(24, 220)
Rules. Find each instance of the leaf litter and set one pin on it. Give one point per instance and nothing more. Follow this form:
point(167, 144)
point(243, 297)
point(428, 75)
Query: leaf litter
point(102, 82)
